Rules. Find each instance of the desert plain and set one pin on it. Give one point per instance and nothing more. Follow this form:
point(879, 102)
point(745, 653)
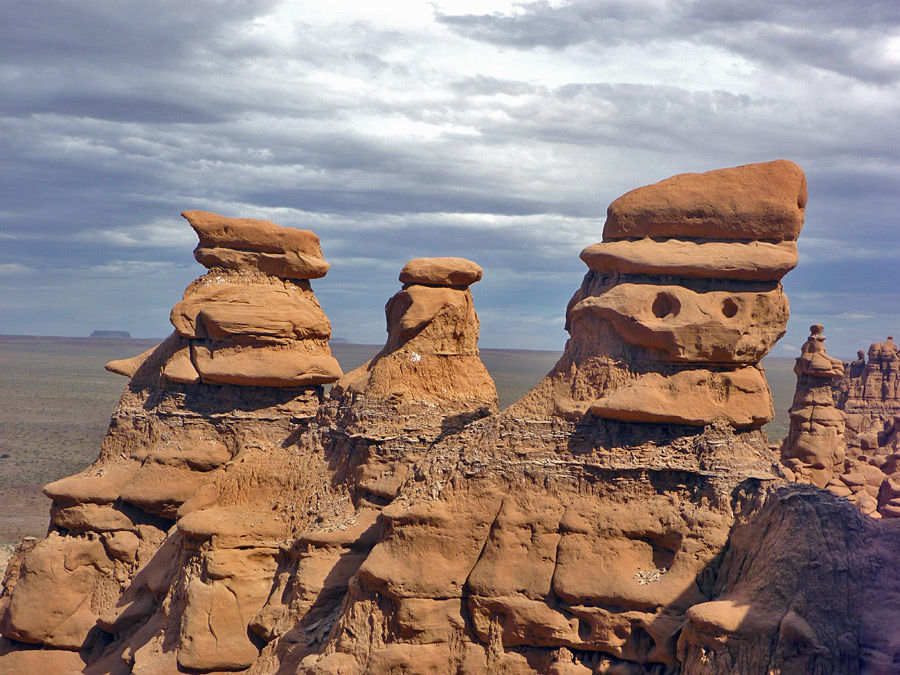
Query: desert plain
point(56, 400)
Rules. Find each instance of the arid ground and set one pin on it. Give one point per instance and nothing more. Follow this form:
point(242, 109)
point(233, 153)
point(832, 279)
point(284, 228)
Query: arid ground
point(56, 400)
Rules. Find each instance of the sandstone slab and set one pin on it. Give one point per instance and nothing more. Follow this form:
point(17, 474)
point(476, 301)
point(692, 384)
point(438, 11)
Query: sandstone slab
point(692, 397)
point(290, 365)
point(752, 202)
point(440, 272)
point(751, 261)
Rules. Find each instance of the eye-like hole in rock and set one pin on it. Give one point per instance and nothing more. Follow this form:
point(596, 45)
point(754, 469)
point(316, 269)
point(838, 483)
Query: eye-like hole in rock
point(585, 629)
point(729, 308)
point(665, 305)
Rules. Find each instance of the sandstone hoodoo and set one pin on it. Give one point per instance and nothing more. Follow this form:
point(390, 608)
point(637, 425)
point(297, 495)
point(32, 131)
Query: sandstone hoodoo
point(814, 447)
point(249, 321)
point(626, 516)
point(845, 425)
point(682, 300)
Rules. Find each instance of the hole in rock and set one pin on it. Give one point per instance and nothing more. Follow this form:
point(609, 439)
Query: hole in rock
point(665, 305)
point(729, 308)
point(642, 641)
point(584, 630)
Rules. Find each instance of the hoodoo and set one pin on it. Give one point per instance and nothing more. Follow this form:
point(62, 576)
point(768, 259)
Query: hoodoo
point(626, 516)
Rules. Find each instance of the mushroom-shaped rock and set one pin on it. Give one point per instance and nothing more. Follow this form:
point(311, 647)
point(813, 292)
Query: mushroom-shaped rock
point(682, 301)
point(440, 272)
point(247, 243)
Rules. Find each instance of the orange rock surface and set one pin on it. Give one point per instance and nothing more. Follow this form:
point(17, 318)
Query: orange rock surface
point(626, 516)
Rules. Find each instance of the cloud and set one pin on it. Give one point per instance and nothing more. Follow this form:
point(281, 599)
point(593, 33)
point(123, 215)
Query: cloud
point(852, 40)
point(499, 133)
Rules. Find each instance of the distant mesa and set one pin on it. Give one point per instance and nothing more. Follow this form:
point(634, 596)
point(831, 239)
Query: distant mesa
point(118, 334)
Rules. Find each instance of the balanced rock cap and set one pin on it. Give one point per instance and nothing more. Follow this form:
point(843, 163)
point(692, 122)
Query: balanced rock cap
point(440, 272)
point(247, 243)
point(752, 202)
point(250, 234)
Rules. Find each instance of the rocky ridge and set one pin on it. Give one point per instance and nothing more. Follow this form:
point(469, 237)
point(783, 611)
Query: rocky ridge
point(845, 425)
point(626, 516)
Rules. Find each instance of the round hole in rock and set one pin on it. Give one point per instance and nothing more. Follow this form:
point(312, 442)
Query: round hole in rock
point(665, 305)
point(729, 308)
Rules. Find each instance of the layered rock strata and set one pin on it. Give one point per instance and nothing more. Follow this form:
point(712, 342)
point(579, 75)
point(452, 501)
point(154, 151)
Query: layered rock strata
point(814, 447)
point(682, 300)
point(844, 426)
point(428, 381)
point(403, 525)
point(203, 416)
point(870, 392)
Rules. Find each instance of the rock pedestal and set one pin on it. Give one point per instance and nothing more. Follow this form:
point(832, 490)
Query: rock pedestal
point(814, 447)
point(241, 374)
point(682, 300)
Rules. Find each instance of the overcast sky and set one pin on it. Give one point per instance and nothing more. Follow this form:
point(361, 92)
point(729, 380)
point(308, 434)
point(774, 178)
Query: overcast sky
point(491, 130)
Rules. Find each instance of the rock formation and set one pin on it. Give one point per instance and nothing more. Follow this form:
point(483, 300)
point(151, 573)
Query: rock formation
point(682, 300)
point(870, 391)
point(218, 399)
point(844, 425)
point(814, 447)
point(626, 516)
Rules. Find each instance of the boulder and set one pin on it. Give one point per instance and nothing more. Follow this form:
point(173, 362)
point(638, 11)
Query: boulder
point(440, 272)
point(247, 243)
point(751, 202)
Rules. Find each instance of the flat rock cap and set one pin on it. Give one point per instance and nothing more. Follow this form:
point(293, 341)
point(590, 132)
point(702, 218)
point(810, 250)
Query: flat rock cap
point(246, 243)
point(763, 201)
point(250, 234)
point(440, 272)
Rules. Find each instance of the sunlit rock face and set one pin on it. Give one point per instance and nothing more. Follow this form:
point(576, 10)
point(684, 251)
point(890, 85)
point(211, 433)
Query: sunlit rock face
point(814, 447)
point(237, 380)
point(626, 516)
point(845, 425)
point(682, 300)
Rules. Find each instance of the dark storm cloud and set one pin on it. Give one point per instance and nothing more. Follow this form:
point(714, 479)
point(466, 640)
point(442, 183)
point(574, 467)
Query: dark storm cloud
point(117, 35)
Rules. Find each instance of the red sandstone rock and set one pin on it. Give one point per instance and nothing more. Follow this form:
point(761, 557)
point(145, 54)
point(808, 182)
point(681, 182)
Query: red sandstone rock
point(692, 397)
point(264, 365)
point(752, 202)
point(402, 525)
point(244, 243)
point(440, 272)
point(128, 367)
point(753, 261)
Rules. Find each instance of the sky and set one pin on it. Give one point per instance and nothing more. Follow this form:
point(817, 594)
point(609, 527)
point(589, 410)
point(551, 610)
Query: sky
point(492, 130)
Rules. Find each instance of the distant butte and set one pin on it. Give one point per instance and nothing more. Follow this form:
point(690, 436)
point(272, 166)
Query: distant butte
point(626, 516)
point(123, 334)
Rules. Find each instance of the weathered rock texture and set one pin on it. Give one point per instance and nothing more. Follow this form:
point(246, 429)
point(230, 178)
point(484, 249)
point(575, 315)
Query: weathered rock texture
point(682, 300)
point(625, 517)
point(814, 447)
point(845, 423)
point(206, 423)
